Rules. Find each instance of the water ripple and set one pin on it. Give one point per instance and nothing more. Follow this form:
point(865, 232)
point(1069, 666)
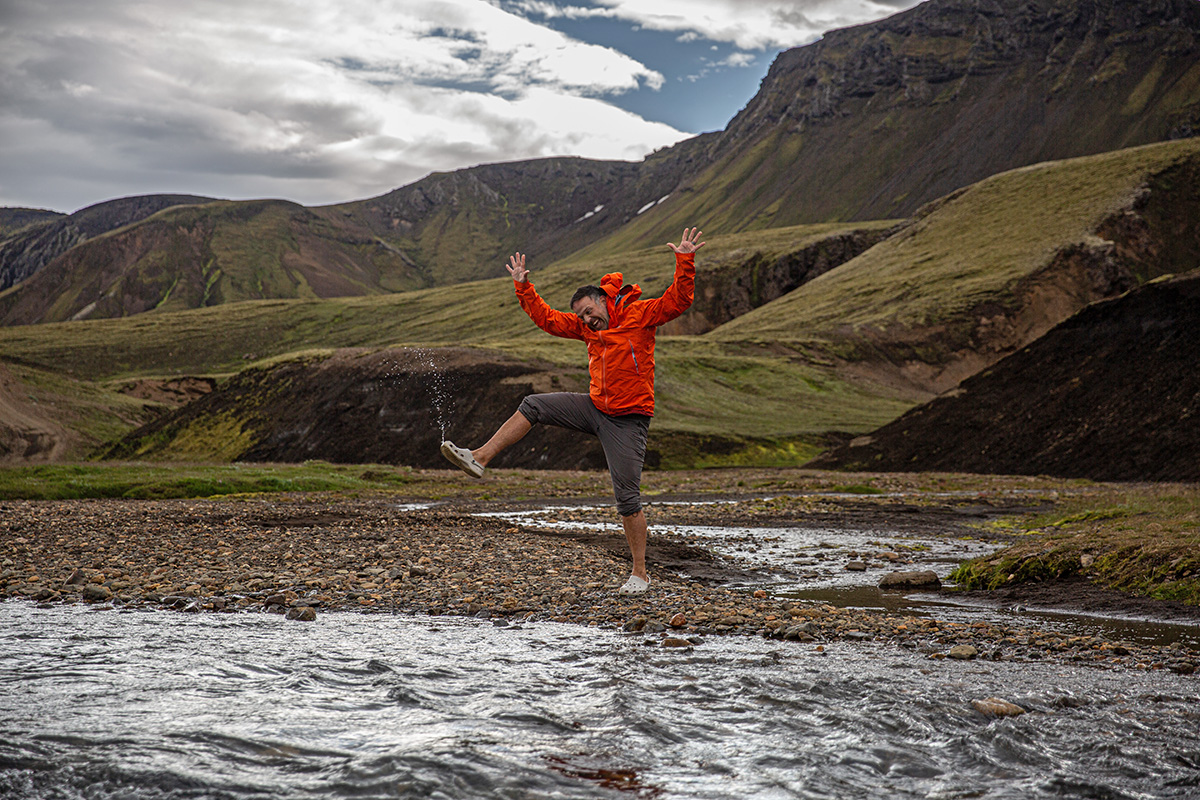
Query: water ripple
point(161, 705)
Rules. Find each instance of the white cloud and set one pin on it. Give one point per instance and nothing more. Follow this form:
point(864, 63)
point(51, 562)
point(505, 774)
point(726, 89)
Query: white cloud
point(315, 102)
point(748, 24)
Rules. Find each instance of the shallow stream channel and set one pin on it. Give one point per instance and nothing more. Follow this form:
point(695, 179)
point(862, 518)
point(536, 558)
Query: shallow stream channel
point(144, 703)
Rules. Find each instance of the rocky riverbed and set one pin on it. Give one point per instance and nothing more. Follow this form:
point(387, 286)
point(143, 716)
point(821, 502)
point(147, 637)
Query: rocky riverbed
point(307, 555)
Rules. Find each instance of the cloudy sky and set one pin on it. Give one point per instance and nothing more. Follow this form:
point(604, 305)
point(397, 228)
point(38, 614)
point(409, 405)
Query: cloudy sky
point(324, 101)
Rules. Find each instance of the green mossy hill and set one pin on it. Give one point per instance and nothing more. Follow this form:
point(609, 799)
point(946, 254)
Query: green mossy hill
point(229, 337)
point(986, 270)
point(462, 226)
point(45, 416)
point(1144, 541)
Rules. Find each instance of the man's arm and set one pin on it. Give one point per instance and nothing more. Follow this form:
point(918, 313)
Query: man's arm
point(555, 323)
point(679, 295)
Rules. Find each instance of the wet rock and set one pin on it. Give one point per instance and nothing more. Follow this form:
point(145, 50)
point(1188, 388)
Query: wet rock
point(917, 579)
point(856, 566)
point(301, 613)
point(995, 707)
point(96, 593)
point(672, 641)
point(653, 626)
point(678, 621)
point(796, 633)
point(77, 578)
point(636, 624)
point(963, 652)
point(1182, 667)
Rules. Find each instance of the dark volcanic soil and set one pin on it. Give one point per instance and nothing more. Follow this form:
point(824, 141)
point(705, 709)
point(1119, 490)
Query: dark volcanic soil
point(1111, 394)
point(382, 407)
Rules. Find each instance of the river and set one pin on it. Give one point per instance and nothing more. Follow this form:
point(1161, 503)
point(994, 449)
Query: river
point(104, 704)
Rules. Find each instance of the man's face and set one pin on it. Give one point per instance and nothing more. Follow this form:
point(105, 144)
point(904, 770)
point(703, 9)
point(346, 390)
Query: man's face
point(592, 313)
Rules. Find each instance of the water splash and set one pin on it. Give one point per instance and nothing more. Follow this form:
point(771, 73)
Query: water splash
point(430, 367)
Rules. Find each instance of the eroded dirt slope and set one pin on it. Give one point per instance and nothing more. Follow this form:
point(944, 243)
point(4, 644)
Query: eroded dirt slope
point(1111, 394)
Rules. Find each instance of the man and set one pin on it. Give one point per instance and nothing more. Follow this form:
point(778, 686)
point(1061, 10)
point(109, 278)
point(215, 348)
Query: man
point(619, 330)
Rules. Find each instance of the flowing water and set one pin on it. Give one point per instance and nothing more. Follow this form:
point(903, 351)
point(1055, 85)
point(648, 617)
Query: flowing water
point(142, 704)
point(809, 564)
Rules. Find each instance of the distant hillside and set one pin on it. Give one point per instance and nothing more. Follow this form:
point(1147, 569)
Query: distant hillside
point(205, 255)
point(870, 122)
point(24, 251)
point(14, 219)
point(460, 226)
point(1111, 394)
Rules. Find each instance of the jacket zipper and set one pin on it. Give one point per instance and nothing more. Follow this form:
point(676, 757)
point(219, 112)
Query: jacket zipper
point(635, 361)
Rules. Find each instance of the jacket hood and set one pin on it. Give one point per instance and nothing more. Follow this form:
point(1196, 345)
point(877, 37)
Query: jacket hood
point(614, 286)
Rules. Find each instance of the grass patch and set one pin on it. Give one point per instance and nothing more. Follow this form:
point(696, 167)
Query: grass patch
point(967, 250)
point(159, 481)
point(1141, 540)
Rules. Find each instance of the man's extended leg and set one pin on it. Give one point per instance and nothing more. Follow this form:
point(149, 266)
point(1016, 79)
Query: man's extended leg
point(511, 432)
point(563, 409)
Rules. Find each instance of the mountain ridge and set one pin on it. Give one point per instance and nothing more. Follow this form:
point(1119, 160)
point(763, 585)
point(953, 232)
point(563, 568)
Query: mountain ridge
point(869, 122)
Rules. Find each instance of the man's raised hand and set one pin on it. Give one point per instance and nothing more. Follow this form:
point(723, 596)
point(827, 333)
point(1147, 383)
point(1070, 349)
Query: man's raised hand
point(688, 243)
point(516, 268)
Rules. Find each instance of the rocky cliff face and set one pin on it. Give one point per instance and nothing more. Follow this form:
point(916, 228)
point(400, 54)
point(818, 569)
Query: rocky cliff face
point(872, 122)
point(726, 293)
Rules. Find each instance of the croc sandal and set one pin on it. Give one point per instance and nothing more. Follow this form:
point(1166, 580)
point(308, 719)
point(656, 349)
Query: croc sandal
point(462, 458)
point(634, 585)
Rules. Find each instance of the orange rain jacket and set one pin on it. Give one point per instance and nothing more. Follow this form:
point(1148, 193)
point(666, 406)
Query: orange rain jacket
point(620, 359)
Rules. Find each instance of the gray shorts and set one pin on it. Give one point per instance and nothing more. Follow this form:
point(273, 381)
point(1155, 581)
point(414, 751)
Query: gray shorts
point(622, 438)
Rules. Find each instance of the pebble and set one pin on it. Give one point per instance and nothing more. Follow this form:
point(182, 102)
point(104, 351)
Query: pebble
point(963, 652)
